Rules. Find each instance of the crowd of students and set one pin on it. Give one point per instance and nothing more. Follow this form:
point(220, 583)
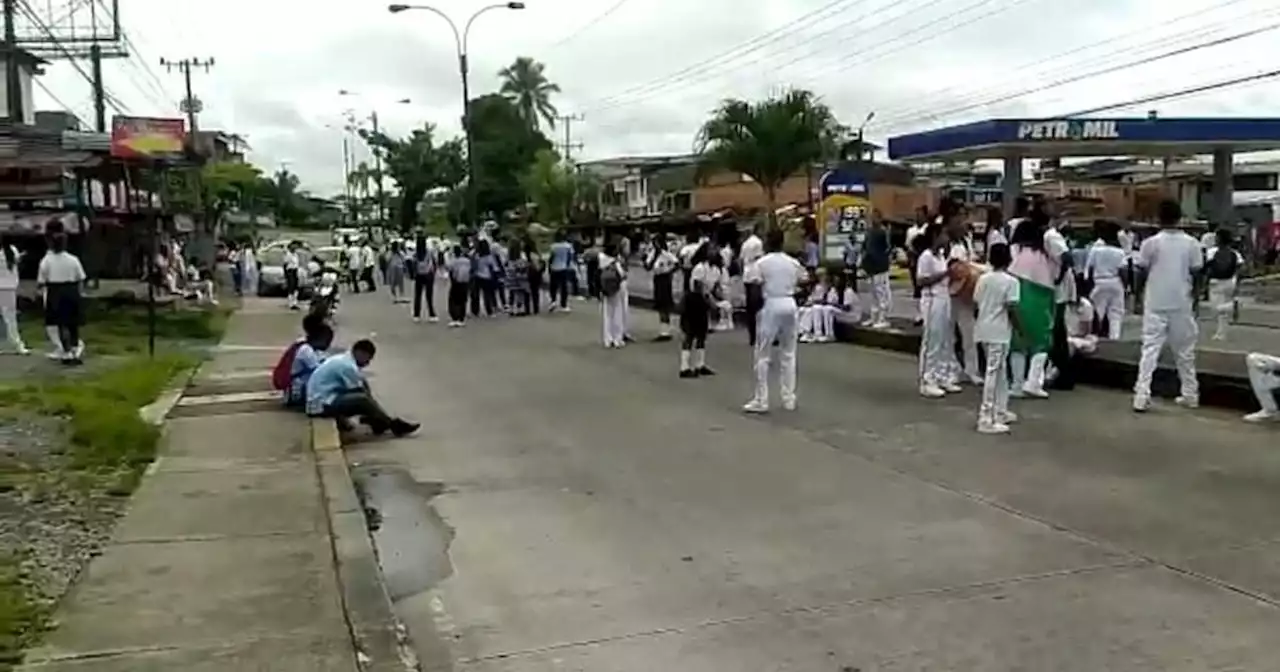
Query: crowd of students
point(60, 280)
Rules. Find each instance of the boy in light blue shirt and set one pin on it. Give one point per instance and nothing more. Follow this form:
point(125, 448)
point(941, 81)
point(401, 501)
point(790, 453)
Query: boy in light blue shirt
point(338, 389)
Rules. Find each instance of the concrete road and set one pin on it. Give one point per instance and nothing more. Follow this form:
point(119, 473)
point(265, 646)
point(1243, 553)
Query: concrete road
point(567, 507)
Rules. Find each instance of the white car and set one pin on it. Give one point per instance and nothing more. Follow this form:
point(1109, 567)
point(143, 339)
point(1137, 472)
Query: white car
point(271, 271)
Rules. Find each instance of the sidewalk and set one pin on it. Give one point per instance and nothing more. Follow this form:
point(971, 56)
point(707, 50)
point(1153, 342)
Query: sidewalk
point(227, 558)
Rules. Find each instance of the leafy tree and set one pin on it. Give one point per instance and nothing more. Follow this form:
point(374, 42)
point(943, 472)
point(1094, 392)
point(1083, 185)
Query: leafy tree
point(769, 140)
point(525, 84)
point(417, 164)
point(505, 147)
point(551, 186)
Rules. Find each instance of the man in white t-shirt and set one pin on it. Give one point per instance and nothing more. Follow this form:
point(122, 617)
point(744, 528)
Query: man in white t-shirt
point(778, 275)
point(368, 262)
point(996, 295)
point(1171, 259)
point(355, 261)
point(292, 264)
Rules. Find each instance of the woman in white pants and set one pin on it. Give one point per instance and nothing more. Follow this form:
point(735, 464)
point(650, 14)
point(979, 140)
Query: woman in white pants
point(1222, 265)
point(1102, 266)
point(818, 315)
point(778, 274)
point(937, 339)
point(963, 312)
point(9, 296)
point(614, 306)
point(1264, 377)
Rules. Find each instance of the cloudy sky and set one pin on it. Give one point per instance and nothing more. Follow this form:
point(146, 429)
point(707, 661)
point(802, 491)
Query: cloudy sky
point(643, 73)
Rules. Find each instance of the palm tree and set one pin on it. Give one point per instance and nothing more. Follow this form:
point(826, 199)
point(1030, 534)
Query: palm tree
point(768, 140)
point(525, 84)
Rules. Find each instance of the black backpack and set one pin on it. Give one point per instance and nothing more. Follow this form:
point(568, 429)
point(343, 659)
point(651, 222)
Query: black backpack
point(1224, 264)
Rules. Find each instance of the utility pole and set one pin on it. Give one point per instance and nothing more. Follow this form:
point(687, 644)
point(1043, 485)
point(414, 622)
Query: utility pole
point(377, 167)
point(192, 106)
point(13, 92)
point(569, 145)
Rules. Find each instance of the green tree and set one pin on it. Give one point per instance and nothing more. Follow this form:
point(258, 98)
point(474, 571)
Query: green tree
point(768, 140)
point(525, 84)
point(417, 164)
point(551, 186)
point(505, 148)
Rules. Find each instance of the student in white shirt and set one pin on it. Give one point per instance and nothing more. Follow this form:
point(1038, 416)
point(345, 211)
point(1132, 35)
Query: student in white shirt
point(1171, 259)
point(291, 265)
point(661, 263)
point(355, 263)
point(778, 274)
point(613, 305)
point(1103, 267)
point(997, 296)
point(845, 300)
point(1222, 266)
point(937, 338)
point(368, 262)
point(706, 284)
point(751, 252)
point(1264, 377)
point(817, 317)
point(9, 258)
point(60, 278)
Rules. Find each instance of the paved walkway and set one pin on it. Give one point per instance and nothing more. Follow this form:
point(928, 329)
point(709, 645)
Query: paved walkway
point(225, 559)
point(584, 510)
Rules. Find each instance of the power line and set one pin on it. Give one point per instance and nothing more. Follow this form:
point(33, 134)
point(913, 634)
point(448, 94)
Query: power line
point(1181, 93)
point(566, 122)
point(1112, 69)
point(71, 58)
point(589, 24)
point(740, 49)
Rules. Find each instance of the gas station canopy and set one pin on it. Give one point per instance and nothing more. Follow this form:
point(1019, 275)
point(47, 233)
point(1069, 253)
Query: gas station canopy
point(1041, 138)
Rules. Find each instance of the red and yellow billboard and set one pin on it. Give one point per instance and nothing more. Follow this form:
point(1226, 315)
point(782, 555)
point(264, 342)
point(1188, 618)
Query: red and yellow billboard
point(148, 138)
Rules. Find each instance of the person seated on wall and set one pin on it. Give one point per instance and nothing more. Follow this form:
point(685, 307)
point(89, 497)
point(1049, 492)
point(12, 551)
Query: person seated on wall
point(1264, 377)
point(338, 389)
point(307, 357)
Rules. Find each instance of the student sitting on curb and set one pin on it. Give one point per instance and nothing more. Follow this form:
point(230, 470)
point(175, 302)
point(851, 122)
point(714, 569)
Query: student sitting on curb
point(1264, 376)
point(338, 389)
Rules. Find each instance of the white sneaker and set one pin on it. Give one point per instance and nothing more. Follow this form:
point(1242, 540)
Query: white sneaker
point(974, 379)
point(789, 405)
point(951, 388)
point(56, 355)
point(1262, 416)
point(883, 324)
point(932, 392)
point(1187, 402)
point(755, 406)
point(1141, 404)
point(416, 320)
point(1007, 418)
point(993, 428)
point(1034, 392)
point(455, 324)
point(433, 320)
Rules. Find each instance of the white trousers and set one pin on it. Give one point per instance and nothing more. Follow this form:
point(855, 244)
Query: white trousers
point(937, 340)
point(614, 313)
point(881, 297)
point(9, 313)
point(1179, 330)
point(1264, 377)
point(1027, 375)
point(818, 321)
point(778, 320)
point(1108, 301)
point(1222, 299)
point(995, 385)
point(963, 317)
point(726, 316)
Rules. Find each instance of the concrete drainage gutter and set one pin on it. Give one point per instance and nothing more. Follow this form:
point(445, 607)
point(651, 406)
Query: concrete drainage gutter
point(381, 640)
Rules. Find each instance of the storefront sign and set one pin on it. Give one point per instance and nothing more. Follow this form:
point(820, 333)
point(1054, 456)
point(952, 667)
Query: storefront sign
point(148, 138)
point(1069, 129)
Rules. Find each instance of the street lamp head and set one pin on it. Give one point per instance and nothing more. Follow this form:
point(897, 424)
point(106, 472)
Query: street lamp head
point(515, 5)
point(404, 101)
point(396, 9)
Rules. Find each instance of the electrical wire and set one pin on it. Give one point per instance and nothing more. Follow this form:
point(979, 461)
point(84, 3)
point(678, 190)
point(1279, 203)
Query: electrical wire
point(1181, 93)
point(108, 97)
point(588, 25)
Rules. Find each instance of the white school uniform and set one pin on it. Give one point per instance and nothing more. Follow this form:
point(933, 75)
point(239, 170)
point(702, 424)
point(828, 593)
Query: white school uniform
point(816, 319)
point(1105, 263)
point(1171, 258)
point(937, 337)
point(1264, 378)
point(779, 275)
point(9, 300)
point(614, 308)
point(996, 293)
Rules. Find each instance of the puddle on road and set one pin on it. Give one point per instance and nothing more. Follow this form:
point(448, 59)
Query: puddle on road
point(411, 538)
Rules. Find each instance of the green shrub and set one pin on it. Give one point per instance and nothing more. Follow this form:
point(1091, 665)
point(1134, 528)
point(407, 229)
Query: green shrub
point(21, 618)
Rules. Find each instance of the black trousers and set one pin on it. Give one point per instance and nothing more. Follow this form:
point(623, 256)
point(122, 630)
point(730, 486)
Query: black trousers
point(290, 281)
point(593, 279)
point(535, 292)
point(359, 405)
point(458, 294)
point(367, 276)
point(1060, 351)
point(424, 285)
point(63, 310)
point(755, 302)
point(560, 281)
point(484, 290)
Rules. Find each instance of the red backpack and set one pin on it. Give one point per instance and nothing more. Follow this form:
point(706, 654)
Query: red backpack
point(282, 375)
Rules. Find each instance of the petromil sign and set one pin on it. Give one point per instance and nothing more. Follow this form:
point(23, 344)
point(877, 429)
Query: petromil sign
point(1069, 129)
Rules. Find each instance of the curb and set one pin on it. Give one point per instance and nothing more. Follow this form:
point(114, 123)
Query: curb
point(381, 641)
point(156, 412)
point(1217, 390)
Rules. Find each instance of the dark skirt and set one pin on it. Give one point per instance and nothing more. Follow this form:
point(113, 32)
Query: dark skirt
point(62, 307)
point(664, 299)
point(695, 315)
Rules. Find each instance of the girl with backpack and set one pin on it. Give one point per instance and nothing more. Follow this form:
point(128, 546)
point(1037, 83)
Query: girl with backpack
point(1222, 267)
point(612, 287)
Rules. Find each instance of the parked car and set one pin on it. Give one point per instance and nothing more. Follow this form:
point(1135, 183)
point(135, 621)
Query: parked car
point(271, 271)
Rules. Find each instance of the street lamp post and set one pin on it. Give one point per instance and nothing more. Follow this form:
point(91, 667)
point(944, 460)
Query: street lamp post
point(460, 41)
point(861, 153)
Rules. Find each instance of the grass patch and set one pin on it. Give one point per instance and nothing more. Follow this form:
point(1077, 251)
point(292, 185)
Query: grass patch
point(122, 329)
point(22, 619)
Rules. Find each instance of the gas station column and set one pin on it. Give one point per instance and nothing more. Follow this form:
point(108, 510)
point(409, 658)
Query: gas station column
point(1011, 185)
point(1221, 199)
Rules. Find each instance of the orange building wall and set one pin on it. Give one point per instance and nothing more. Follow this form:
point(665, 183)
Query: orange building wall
point(722, 192)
